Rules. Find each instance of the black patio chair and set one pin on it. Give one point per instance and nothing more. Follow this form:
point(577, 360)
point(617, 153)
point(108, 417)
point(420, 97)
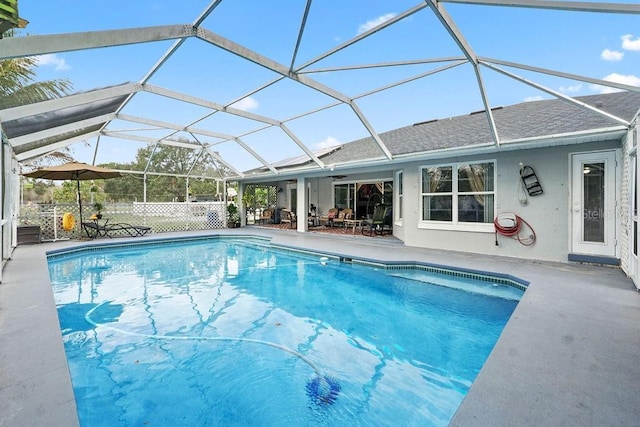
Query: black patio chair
point(375, 224)
point(93, 229)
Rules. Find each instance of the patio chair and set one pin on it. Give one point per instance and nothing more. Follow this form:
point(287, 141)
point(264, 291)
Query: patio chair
point(327, 218)
point(376, 223)
point(94, 229)
point(266, 216)
point(287, 217)
point(344, 214)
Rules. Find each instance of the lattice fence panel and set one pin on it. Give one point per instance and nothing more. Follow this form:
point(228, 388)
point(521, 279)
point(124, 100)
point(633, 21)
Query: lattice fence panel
point(49, 218)
point(161, 217)
point(260, 203)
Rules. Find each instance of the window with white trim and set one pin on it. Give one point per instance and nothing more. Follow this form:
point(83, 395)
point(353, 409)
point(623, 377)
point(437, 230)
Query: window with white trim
point(459, 193)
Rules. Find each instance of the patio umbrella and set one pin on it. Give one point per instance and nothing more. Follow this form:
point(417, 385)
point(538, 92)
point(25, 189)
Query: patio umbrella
point(74, 171)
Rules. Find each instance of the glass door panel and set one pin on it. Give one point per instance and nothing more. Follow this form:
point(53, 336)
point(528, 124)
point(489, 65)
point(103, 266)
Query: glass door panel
point(593, 207)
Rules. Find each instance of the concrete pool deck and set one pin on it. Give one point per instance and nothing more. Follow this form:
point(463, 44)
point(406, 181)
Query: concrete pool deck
point(569, 355)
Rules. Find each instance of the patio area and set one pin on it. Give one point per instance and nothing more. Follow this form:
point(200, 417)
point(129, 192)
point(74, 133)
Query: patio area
point(568, 356)
point(351, 230)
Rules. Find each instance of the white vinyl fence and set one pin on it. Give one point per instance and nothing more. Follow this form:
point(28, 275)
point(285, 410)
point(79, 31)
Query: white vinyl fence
point(161, 217)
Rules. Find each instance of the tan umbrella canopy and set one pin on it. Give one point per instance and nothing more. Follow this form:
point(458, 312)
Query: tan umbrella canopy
point(74, 171)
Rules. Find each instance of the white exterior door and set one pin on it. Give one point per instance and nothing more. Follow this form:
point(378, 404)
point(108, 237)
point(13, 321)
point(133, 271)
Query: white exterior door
point(593, 203)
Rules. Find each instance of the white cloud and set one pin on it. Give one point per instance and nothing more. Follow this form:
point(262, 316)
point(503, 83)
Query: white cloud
point(618, 78)
point(533, 98)
point(52, 60)
point(629, 44)
point(375, 22)
point(246, 104)
point(611, 55)
point(328, 142)
point(571, 89)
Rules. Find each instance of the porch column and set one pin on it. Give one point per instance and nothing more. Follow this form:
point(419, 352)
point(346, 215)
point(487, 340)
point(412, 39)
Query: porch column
point(302, 205)
point(242, 209)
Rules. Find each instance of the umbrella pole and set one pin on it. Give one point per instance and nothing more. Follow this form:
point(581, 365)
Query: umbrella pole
point(79, 205)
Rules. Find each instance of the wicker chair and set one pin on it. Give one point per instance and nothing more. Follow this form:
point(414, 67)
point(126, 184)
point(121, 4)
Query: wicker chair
point(287, 217)
point(344, 214)
point(327, 218)
point(266, 216)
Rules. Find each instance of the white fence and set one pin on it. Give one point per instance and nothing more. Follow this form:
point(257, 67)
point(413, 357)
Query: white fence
point(161, 217)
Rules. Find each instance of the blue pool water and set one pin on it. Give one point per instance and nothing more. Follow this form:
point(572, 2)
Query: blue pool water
point(225, 332)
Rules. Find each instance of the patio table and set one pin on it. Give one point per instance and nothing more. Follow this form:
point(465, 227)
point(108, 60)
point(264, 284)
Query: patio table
point(352, 223)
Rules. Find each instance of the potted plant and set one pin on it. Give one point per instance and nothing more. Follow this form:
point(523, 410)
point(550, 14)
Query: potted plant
point(233, 216)
point(98, 208)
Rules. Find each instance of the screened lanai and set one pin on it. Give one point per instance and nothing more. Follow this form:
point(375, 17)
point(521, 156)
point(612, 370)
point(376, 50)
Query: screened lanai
point(236, 87)
point(250, 98)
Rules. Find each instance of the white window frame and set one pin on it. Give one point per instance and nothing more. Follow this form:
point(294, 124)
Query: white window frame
point(454, 224)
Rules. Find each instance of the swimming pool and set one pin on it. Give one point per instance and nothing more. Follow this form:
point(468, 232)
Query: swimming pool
point(232, 332)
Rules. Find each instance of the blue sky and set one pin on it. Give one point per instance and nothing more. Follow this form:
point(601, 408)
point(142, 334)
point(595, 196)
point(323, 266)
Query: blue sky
point(602, 46)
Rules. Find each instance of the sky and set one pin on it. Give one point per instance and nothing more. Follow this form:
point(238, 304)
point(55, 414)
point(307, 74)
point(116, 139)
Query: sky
point(600, 46)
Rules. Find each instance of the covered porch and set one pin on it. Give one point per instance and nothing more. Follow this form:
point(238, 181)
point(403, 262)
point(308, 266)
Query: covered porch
point(314, 201)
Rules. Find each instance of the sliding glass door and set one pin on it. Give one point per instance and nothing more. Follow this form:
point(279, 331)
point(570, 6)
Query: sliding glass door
point(362, 197)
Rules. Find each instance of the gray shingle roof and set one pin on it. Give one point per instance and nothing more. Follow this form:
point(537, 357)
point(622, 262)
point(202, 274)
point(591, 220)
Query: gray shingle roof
point(522, 121)
point(519, 121)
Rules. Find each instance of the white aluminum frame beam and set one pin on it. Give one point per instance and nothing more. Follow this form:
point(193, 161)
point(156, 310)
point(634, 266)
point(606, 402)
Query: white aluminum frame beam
point(237, 112)
point(167, 125)
point(384, 64)
point(410, 79)
point(169, 142)
point(157, 90)
point(193, 132)
point(364, 35)
point(174, 47)
point(449, 24)
point(42, 151)
point(180, 40)
point(18, 47)
point(219, 158)
point(303, 24)
point(257, 156)
point(149, 140)
point(574, 6)
point(274, 66)
point(557, 94)
point(622, 86)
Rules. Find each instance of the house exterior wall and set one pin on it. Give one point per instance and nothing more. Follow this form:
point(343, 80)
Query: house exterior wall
point(628, 260)
point(625, 204)
point(547, 213)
